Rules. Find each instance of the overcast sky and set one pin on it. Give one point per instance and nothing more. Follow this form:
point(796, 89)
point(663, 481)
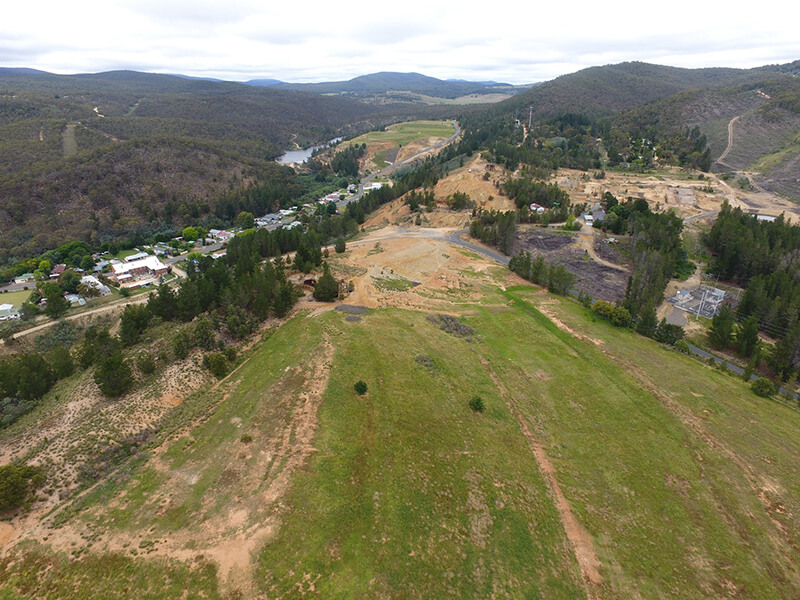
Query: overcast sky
point(315, 40)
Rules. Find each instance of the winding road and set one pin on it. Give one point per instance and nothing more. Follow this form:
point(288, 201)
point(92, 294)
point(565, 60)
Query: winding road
point(724, 155)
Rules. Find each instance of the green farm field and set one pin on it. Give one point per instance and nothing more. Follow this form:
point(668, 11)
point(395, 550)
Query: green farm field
point(383, 146)
point(604, 466)
point(405, 133)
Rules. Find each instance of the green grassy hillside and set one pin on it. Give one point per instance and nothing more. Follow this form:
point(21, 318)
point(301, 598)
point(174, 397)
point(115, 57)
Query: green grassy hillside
point(604, 466)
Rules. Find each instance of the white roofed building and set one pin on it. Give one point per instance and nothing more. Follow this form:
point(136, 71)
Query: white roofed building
point(150, 266)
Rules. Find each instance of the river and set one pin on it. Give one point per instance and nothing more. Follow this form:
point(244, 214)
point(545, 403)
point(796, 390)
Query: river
point(301, 156)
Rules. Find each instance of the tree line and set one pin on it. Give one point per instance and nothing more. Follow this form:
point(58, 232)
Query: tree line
point(764, 257)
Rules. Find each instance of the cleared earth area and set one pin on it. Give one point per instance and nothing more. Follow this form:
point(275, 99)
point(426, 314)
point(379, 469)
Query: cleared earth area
point(604, 466)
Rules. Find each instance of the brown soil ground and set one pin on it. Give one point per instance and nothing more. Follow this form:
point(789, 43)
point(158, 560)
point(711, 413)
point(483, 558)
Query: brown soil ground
point(673, 189)
point(469, 180)
point(398, 214)
point(427, 264)
point(412, 148)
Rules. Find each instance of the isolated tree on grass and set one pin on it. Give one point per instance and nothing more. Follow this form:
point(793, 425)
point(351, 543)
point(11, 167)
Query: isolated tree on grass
point(476, 404)
point(360, 387)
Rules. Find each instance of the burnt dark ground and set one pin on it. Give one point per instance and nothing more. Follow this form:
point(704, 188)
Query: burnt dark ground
point(599, 281)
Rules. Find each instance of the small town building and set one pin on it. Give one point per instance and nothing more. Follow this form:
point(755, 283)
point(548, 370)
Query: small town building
point(57, 271)
point(76, 299)
point(102, 264)
point(90, 281)
point(220, 235)
point(139, 269)
point(7, 312)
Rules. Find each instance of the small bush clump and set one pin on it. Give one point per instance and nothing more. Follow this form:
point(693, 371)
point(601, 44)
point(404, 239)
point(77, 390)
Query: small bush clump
point(763, 387)
point(452, 326)
point(476, 404)
point(426, 362)
point(216, 363)
point(360, 387)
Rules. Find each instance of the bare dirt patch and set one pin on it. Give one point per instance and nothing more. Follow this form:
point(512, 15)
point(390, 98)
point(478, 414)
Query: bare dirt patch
point(394, 213)
point(414, 147)
point(80, 433)
point(469, 180)
point(257, 477)
point(676, 189)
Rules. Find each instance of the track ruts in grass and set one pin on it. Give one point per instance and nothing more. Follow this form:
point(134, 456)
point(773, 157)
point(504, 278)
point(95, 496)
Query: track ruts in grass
point(581, 540)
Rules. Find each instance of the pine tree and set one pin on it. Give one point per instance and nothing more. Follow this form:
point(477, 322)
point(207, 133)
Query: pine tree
point(327, 288)
point(721, 333)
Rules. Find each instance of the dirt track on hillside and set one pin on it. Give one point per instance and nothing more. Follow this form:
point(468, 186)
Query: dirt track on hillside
point(580, 539)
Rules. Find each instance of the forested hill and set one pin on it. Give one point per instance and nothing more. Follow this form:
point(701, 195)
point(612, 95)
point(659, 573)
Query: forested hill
point(275, 116)
point(97, 156)
point(653, 102)
point(598, 91)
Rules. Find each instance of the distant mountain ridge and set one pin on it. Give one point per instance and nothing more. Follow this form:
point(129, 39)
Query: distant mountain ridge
point(390, 81)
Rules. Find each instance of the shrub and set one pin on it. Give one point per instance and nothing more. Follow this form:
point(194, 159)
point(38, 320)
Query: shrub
point(246, 438)
point(60, 361)
point(230, 353)
point(216, 363)
point(114, 376)
point(360, 387)
point(682, 346)
point(620, 317)
point(340, 246)
point(146, 363)
point(16, 482)
point(476, 404)
point(763, 387)
point(180, 345)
